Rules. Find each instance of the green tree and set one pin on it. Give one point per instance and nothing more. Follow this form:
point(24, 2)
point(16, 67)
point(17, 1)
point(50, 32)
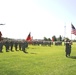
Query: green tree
point(60, 38)
point(45, 38)
point(49, 39)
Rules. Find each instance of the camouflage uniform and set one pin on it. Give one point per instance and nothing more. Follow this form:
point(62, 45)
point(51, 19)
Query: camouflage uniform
point(24, 46)
point(68, 48)
point(7, 45)
point(16, 45)
point(11, 45)
point(1, 46)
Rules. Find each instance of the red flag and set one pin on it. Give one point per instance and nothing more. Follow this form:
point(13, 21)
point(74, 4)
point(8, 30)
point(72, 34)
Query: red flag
point(29, 38)
point(53, 39)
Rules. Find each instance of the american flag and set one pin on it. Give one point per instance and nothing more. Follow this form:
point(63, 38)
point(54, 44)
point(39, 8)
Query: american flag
point(73, 29)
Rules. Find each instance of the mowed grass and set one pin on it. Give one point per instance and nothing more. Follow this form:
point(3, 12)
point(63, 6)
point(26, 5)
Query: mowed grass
point(40, 60)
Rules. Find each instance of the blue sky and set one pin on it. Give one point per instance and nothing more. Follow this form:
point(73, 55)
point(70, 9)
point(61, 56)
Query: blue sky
point(40, 17)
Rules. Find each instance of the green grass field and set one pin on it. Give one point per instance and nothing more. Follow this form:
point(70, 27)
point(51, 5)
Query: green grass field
point(38, 61)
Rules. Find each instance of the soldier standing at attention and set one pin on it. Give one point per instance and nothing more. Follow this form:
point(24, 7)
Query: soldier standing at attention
point(16, 45)
point(11, 46)
point(68, 47)
point(7, 45)
point(20, 43)
point(0, 36)
point(1, 46)
point(24, 45)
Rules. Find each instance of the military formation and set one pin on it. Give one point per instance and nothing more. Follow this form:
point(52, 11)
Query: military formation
point(11, 45)
point(42, 43)
point(57, 43)
point(45, 43)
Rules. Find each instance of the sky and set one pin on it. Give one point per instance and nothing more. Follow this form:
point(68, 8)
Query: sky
point(43, 18)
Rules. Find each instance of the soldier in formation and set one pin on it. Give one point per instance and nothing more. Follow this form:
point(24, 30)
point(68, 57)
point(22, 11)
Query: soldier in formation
point(1, 46)
point(17, 45)
point(24, 46)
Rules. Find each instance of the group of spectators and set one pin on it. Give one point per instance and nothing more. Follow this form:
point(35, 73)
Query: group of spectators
point(10, 45)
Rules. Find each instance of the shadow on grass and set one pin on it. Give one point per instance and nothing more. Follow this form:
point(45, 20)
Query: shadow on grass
point(30, 53)
point(33, 53)
point(33, 48)
point(25, 52)
point(72, 57)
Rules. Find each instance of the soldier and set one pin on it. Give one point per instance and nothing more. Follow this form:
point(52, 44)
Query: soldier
point(20, 45)
point(7, 45)
point(68, 47)
point(49, 43)
point(11, 45)
point(0, 36)
point(1, 46)
point(16, 45)
point(24, 45)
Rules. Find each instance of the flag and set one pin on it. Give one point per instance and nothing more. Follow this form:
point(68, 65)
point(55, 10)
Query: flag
point(29, 38)
point(52, 39)
point(73, 29)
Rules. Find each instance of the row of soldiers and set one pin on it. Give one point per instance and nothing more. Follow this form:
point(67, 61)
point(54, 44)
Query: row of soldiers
point(9, 45)
point(43, 43)
point(46, 43)
point(58, 43)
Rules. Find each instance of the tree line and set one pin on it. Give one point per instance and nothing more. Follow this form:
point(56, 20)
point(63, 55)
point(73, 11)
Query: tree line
point(54, 38)
point(59, 38)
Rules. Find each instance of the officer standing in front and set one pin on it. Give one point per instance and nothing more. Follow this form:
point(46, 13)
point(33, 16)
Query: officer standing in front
point(68, 47)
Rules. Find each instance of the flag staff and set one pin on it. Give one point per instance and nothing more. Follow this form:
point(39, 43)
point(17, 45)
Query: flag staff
point(71, 31)
point(65, 31)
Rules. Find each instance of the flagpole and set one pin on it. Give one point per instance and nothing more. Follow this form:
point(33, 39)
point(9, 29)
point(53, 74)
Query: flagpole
point(65, 31)
point(71, 36)
point(71, 30)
